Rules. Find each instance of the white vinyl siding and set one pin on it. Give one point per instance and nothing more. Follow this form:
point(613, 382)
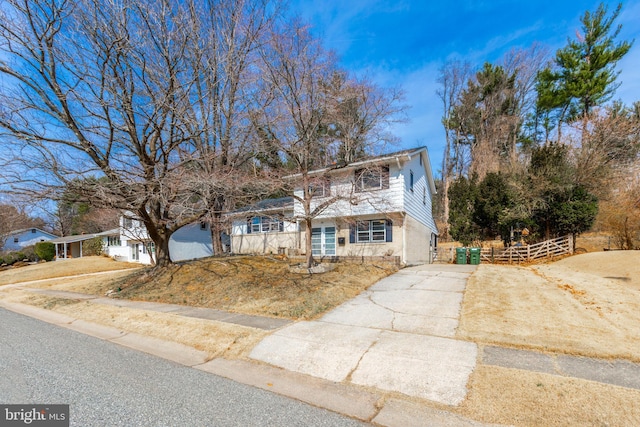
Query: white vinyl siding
point(417, 203)
point(358, 203)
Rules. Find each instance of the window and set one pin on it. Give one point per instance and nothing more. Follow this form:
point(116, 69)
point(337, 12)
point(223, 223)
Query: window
point(264, 224)
point(371, 231)
point(203, 226)
point(113, 241)
point(424, 196)
point(375, 178)
point(321, 187)
point(15, 240)
point(128, 223)
point(411, 181)
point(149, 247)
point(33, 230)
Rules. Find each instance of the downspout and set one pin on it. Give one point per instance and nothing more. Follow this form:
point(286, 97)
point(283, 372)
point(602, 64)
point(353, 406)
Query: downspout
point(404, 238)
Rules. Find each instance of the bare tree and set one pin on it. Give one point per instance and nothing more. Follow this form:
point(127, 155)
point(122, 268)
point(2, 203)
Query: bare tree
point(295, 71)
point(225, 58)
point(453, 76)
point(316, 119)
point(359, 116)
point(144, 95)
point(525, 64)
point(607, 148)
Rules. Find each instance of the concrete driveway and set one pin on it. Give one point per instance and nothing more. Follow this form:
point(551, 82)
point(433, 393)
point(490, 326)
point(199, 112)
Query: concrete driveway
point(396, 336)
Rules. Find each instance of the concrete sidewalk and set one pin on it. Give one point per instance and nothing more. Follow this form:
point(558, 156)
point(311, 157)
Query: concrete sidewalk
point(258, 322)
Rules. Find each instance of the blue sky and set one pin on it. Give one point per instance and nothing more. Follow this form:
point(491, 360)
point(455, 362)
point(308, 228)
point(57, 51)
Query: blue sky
point(405, 42)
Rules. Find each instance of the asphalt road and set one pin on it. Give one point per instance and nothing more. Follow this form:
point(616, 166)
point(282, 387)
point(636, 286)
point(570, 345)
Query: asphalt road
point(109, 385)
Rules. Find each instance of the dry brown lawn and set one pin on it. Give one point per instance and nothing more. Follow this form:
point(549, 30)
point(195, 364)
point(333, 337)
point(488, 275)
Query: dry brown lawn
point(217, 339)
point(251, 285)
point(62, 268)
point(521, 398)
point(584, 305)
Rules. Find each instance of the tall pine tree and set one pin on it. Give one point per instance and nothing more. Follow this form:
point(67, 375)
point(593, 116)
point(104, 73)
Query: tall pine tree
point(583, 75)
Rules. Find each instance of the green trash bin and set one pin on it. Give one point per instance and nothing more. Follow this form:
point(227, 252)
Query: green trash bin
point(474, 256)
point(461, 255)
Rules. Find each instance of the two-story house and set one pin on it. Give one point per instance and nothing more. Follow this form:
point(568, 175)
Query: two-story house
point(379, 206)
point(18, 239)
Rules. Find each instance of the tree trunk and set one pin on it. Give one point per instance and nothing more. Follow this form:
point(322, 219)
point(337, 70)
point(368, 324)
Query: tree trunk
point(308, 248)
point(162, 258)
point(216, 235)
point(445, 206)
point(160, 236)
point(216, 225)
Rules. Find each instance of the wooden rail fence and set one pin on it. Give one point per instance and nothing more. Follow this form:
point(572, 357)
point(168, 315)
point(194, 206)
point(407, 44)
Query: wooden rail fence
point(517, 254)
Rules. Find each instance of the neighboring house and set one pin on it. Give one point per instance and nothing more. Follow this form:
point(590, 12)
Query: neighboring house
point(71, 246)
point(18, 239)
point(383, 207)
point(130, 242)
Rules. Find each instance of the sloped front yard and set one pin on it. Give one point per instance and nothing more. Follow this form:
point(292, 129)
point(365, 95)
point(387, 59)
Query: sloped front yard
point(265, 286)
point(586, 305)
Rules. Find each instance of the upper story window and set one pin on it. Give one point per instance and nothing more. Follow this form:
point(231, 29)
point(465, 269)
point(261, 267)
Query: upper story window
point(374, 178)
point(265, 224)
point(128, 223)
point(411, 181)
point(15, 240)
point(33, 230)
point(424, 196)
point(320, 187)
point(203, 226)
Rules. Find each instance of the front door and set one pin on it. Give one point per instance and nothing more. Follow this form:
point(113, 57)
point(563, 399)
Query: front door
point(135, 252)
point(323, 241)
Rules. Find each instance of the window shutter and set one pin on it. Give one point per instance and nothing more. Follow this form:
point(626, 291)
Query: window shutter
point(388, 228)
point(249, 226)
point(280, 226)
point(352, 233)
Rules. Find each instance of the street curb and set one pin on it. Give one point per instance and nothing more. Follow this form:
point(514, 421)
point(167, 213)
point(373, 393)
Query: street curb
point(396, 412)
point(336, 397)
point(95, 330)
point(341, 398)
point(38, 313)
point(170, 350)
